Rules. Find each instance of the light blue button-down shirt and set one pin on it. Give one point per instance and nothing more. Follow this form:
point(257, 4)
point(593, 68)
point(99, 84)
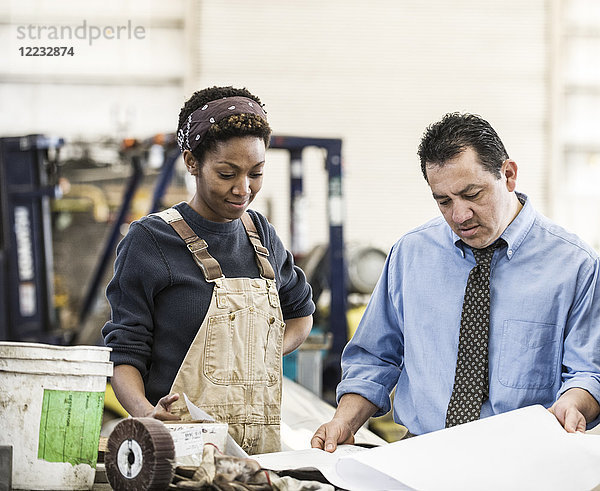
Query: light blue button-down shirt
point(544, 322)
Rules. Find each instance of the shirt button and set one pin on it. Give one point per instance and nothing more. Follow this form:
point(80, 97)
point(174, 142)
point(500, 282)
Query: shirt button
point(510, 253)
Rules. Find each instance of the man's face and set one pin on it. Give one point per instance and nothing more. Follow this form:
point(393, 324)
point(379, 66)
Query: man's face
point(477, 205)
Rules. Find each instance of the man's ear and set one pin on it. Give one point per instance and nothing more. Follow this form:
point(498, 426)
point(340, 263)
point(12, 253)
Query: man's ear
point(191, 163)
point(509, 171)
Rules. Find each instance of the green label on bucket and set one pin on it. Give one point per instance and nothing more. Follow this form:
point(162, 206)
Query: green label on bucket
point(70, 426)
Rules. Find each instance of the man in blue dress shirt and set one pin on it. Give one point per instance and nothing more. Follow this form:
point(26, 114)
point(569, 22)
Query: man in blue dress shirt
point(544, 329)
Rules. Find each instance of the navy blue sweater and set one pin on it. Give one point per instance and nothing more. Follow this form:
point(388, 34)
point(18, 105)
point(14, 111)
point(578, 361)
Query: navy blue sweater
point(159, 297)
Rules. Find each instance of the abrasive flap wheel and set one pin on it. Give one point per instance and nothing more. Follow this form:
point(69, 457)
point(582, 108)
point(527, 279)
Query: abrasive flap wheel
point(140, 455)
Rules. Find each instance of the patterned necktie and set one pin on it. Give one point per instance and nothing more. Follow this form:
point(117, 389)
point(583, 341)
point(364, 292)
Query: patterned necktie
point(471, 377)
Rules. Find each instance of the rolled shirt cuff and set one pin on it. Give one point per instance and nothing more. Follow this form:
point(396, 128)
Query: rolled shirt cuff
point(375, 393)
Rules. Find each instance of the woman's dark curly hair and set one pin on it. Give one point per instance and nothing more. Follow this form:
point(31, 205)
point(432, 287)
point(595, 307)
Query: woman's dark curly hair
point(237, 125)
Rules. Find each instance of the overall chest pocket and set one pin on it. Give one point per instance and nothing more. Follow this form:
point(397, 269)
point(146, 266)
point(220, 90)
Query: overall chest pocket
point(529, 354)
point(244, 348)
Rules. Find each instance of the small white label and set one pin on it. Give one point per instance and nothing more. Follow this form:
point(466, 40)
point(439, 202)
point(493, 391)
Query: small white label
point(296, 169)
point(188, 439)
point(24, 243)
point(336, 210)
point(27, 305)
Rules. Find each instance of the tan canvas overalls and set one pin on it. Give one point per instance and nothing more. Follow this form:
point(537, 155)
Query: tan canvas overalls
point(233, 368)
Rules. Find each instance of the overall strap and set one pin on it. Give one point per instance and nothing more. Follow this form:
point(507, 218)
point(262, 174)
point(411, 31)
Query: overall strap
point(261, 252)
point(197, 246)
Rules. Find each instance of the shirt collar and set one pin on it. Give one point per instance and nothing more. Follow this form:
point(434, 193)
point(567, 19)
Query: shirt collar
point(516, 231)
point(514, 234)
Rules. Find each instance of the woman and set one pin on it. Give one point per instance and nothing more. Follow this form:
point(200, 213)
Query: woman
point(205, 299)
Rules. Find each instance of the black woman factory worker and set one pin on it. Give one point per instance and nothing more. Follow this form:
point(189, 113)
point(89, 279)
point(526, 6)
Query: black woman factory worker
point(205, 298)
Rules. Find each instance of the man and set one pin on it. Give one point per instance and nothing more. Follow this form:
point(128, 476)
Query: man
point(491, 308)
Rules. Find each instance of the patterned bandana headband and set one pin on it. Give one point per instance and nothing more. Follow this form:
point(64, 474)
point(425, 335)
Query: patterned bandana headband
point(191, 134)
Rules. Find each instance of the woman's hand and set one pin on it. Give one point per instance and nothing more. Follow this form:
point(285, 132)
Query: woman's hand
point(162, 410)
point(129, 388)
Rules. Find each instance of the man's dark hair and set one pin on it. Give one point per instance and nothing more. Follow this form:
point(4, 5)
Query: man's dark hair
point(237, 125)
point(455, 132)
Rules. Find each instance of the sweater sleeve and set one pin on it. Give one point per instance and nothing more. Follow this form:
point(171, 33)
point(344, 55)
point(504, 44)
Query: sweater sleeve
point(295, 293)
point(140, 272)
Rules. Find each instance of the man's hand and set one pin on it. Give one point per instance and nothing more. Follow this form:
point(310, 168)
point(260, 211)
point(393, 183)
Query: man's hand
point(574, 408)
point(328, 435)
point(351, 413)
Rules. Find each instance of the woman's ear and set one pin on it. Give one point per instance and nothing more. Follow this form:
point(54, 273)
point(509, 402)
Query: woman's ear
point(191, 163)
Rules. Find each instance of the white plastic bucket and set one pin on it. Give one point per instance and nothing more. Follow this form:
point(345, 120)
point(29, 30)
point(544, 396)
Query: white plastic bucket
point(51, 403)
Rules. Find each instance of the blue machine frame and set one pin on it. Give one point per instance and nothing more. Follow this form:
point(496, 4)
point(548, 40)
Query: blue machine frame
point(337, 271)
point(26, 274)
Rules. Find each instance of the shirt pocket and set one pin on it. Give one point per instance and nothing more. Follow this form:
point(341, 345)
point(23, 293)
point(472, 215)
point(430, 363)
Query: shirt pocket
point(528, 354)
point(244, 348)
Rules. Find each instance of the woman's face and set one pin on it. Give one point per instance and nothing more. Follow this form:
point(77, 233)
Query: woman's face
point(228, 179)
